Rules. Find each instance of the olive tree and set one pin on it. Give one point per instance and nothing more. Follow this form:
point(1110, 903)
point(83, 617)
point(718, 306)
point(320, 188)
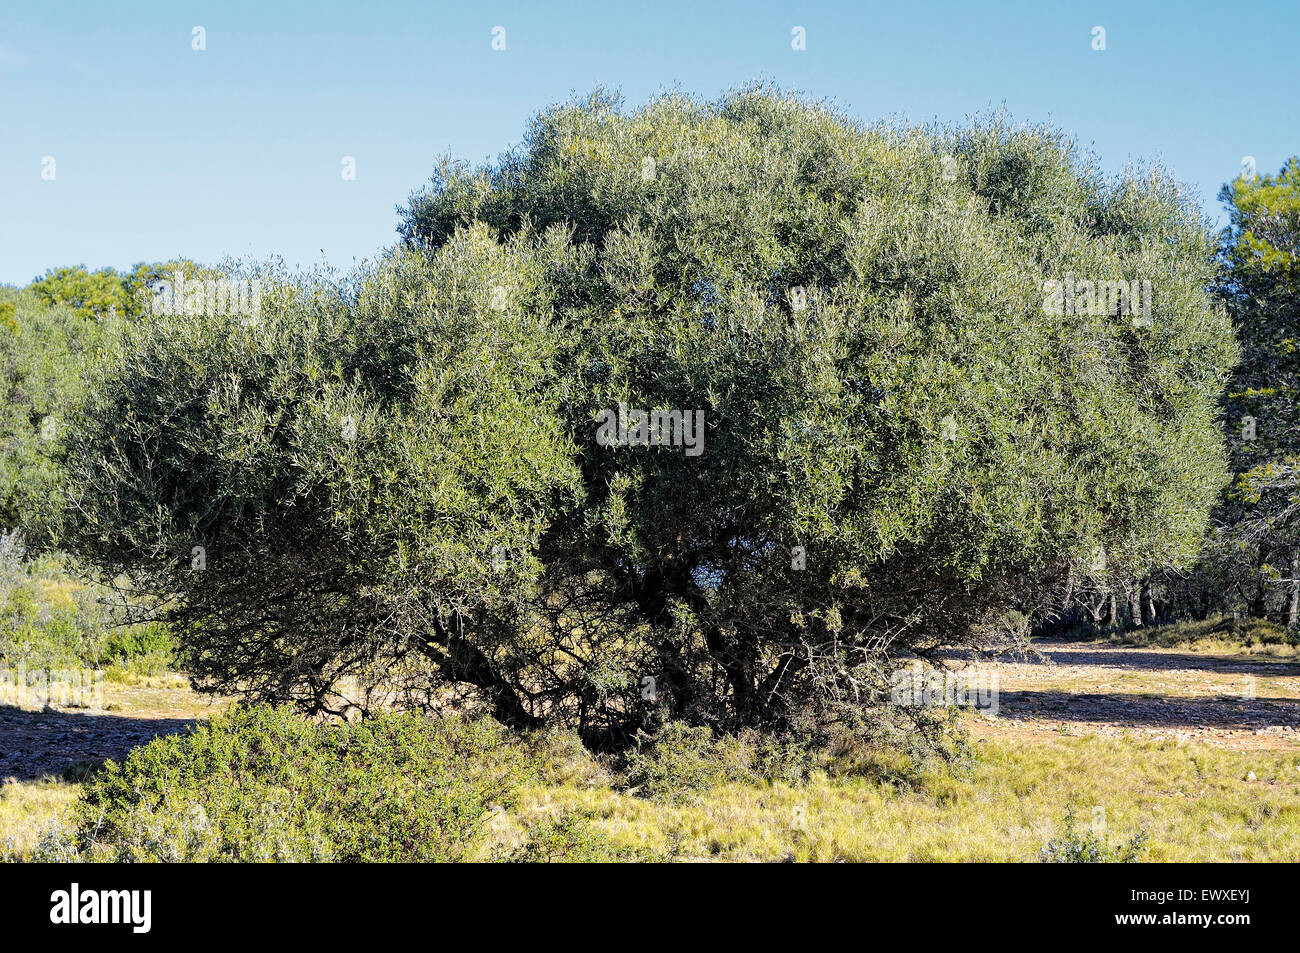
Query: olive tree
point(714, 411)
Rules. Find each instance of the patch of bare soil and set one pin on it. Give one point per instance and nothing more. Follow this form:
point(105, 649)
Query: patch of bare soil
point(39, 742)
point(1066, 688)
point(1074, 688)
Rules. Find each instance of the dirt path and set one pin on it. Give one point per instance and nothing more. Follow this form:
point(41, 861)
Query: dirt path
point(1238, 702)
point(48, 741)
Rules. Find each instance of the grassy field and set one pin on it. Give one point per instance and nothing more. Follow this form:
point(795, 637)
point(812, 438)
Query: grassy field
point(1194, 744)
point(1195, 802)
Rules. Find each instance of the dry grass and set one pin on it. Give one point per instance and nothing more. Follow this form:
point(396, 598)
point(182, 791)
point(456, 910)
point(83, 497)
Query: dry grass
point(27, 808)
point(1198, 802)
point(1221, 635)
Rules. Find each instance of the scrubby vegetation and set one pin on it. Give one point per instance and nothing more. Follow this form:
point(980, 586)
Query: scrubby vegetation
point(51, 620)
point(264, 784)
point(680, 760)
point(1073, 846)
point(1221, 634)
point(391, 495)
point(43, 352)
point(394, 479)
point(1249, 563)
point(1170, 801)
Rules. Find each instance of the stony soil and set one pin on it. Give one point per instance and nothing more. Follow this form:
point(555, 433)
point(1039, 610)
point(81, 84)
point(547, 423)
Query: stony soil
point(49, 741)
point(1240, 702)
point(1231, 701)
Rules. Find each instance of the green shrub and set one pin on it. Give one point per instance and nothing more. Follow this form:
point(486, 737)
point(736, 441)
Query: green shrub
point(674, 762)
point(145, 649)
point(261, 784)
point(563, 759)
point(1088, 847)
point(681, 760)
point(1215, 633)
point(53, 618)
point(57, 845)
point(570, 838)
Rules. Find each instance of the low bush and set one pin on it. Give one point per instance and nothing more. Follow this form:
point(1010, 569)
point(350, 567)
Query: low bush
point(680, 760)
point(1072, 846)
point(563, 759)
point(1216, 634)
point(571, 838)
point(146, 649)
point(265, 784)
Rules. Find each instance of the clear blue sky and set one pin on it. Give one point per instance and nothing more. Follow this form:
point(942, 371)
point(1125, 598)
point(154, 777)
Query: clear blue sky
point(162, 151)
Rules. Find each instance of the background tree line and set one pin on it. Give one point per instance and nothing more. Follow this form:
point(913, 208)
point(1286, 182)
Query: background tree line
point(1250, 560)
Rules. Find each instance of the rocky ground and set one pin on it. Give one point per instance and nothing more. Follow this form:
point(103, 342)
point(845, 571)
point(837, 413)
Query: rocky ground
point(1239, 702)
point(50, 741)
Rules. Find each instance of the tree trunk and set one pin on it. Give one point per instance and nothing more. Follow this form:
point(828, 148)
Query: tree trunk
point(1293, 610)
point(1148, 603)
point(1112, 611)
point(1259, 603)
point(1259, 599)
point(1135, 605)
point(464, 662)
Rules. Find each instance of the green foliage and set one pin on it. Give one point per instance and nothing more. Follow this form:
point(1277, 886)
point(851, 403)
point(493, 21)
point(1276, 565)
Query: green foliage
point(857, 312)
point(51, 620)
point(570, 838)
point(146, 648)
point(1257, 547)
point(1088, 847)
point(679, 761)
point(8, 314)
point(106, 293)
point(262, 784)
point(563, 759)
point(140, 283)
point(43, 350)
point(1260, 245)
point(375, 458)
point(1245, 632)
point(46, 345)
point(57, 845)
point(46, 621)
point(89, 294)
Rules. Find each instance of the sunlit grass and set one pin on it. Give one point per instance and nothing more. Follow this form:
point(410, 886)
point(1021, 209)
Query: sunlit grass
point(27, 808)
point(1219, 635)
point(1195, 802)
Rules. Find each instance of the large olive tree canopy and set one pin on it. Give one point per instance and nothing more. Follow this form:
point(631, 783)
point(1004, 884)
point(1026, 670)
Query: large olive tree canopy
point(399, 476)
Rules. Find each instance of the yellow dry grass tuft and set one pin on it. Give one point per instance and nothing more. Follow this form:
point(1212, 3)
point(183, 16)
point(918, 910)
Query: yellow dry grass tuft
point(27, 808)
